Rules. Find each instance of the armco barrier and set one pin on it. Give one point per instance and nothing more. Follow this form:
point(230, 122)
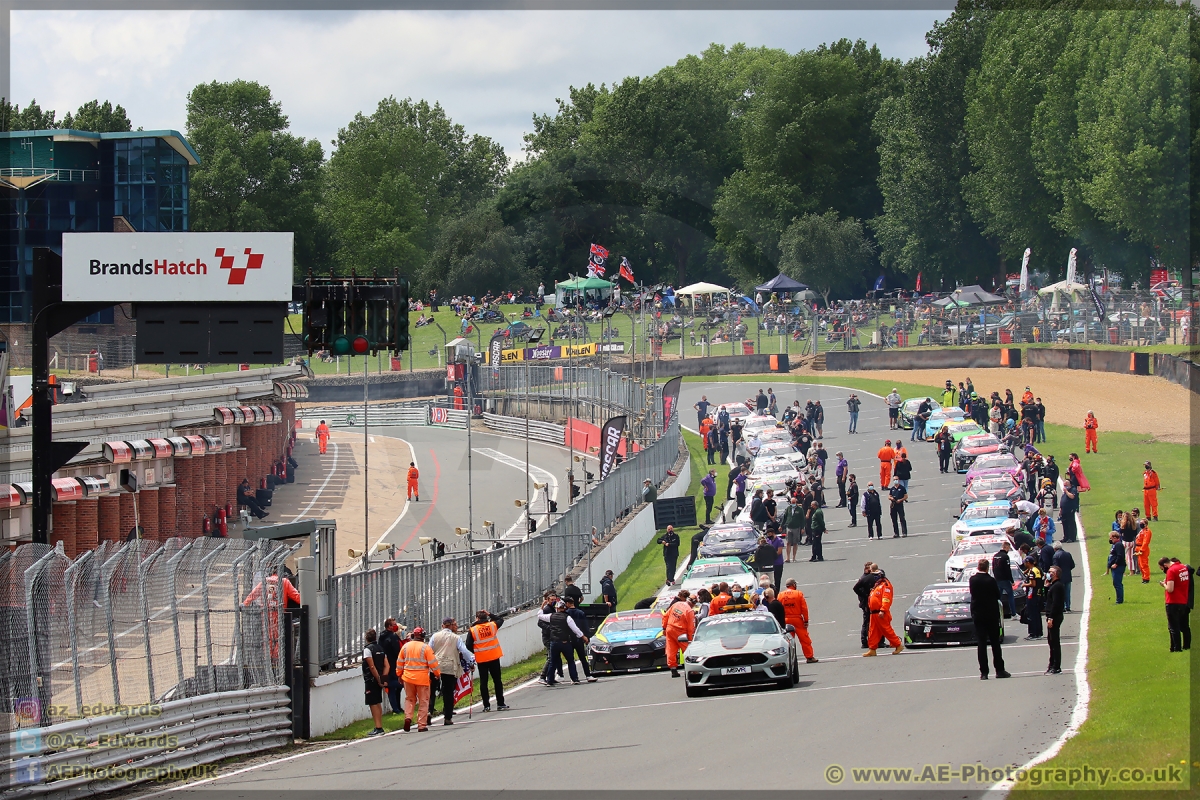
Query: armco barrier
point(1178, 371)
point(712, 365)
point(388, 386)
point(174, 737)
point(848, 360)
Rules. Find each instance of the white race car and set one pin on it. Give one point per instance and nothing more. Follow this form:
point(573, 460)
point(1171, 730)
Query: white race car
point(965, 558)
point(771, 469)
point(984, 519)
point(781, 449)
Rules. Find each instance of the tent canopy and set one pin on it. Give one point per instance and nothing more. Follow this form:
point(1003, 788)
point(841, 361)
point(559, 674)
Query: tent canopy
point(577, 284)
point(703, 288)
point(781, 283)
point(1062, 287)
point(974, 295)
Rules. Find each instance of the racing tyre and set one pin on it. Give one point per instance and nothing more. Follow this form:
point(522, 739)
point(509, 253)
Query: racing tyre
point(795, 672)
point(695, 691)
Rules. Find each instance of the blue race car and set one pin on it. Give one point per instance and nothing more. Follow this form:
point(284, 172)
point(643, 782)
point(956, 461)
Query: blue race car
point(629, 641)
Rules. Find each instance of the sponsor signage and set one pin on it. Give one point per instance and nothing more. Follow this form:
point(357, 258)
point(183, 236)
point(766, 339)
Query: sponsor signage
point(610, 442)
point(550, 352)
point(177, 267)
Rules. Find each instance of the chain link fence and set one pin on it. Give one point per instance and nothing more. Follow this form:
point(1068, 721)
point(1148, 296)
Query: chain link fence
point(126, 625)
point(511, 576)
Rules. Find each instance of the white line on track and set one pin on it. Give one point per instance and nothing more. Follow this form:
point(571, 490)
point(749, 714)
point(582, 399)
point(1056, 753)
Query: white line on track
point(328, 476)
point(413, 452)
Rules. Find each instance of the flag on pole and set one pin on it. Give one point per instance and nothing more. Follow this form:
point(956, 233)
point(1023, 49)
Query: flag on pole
point(597, 257)
point(1024, 287)
point(598, 250)
point(463, 687)
point(918, 289)
point(879, 284)
point(626, 270)
point(1071, 267)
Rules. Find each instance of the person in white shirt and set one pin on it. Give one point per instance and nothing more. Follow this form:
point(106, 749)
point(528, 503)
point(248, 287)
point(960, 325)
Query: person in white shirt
point(452, 655)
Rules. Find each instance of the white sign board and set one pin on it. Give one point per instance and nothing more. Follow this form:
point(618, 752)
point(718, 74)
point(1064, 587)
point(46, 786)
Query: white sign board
point(177, 267)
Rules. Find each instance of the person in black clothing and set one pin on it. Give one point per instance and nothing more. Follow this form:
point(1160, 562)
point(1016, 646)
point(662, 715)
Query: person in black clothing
point(862, 588)
point(712, 443)
point(985, 614)
point(1068, 505)
point(561, 632)
point(670, 546)
point(772, 604)
point(571, 591)
point(735, 432)
point(389, 642)
point(898, 496)
point(697, 540)
point(1023, 537)
point(1034, 586)
point(576, 613)
point(608, 591)
point(945, 448)
point(873, 511)
point(852, 500)
point(804, 443)
point(1056, 599)
point(760, 402)
point(1003, 576)
point(1066, 564)
point(903, 471)
point(374, 667)
point(758, 510)
point(764, 556)
point(246, 496)
point(733, 473)
point(816, 530)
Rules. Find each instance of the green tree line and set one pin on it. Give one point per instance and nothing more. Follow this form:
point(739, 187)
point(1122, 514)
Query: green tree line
point(1039, 124)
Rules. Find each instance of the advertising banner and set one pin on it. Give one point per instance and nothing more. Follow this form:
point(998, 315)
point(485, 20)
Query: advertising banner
point(177, 267)
point(610, 441)
point(550, 352)
point(670, 397)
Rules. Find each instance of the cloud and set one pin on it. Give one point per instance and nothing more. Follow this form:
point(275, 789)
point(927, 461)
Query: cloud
point(491, 70)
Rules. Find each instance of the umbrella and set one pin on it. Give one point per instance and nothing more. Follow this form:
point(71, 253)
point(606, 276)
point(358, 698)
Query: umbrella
point(703, 289)
point(781, 283)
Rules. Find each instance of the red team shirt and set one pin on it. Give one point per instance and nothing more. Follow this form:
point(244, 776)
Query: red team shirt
point(1179, 574)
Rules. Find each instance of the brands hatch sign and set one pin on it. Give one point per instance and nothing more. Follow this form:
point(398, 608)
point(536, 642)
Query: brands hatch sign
point(177, 267)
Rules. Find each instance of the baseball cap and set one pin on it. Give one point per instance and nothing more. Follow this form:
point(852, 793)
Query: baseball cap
point(418, 631)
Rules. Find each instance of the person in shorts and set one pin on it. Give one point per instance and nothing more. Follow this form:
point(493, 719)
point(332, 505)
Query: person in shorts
point(375, 668)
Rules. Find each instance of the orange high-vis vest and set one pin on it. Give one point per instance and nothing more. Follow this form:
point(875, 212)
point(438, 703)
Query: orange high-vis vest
point(487, 646)
point(417, 661)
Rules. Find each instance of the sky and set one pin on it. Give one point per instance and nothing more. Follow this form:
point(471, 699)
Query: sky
point(490, 70)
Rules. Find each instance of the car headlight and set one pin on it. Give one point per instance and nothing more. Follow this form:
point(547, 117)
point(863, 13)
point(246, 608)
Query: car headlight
point(660, 643)
point(692, 659)
point(601, 647)
point(778, 651)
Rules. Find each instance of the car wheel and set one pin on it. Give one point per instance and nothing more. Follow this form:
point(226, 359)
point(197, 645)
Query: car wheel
point(695, 691)
point(795, 672)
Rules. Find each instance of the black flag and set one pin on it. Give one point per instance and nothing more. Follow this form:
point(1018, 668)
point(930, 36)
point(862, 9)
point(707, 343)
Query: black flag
point(670, 397)
point(610, 438)
point(1098, 302)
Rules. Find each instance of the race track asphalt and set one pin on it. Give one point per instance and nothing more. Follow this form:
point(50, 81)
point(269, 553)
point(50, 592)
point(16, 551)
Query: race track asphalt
point(925, 706)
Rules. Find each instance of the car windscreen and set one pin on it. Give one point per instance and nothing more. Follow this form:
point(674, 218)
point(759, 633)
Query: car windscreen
point(647, 622)
point(729, 535)
point(707, 571)
point(771, 467)
point(974, 548)
point(1002, 483)
point(940, 597)
point(997, 461)
point(734, 625)
point(988, 512)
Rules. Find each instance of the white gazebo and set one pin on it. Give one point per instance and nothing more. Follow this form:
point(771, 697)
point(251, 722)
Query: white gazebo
point(1070, 290)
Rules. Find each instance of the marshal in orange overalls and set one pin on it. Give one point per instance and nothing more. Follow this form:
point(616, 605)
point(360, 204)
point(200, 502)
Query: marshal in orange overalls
point(413, 474)
point(458, 399)
point(678, 620)
point(795, 613)
point(1150, 487)
point(1141, 549)
point(323, 436)
point(880, 605)
point(886, 456)
point(1090, 426)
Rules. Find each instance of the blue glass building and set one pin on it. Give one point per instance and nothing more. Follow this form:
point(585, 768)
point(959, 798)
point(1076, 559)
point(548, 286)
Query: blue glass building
point(136, 180)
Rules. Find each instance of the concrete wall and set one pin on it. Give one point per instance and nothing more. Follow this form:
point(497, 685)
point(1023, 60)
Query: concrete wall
point(1122, 361)
point(1177, 371)
point(914, 358)
point(388, 386)
point(336, 700)
point(713, 365)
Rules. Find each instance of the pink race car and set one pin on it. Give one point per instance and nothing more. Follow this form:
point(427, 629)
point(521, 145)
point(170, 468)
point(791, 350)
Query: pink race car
point(995, 464)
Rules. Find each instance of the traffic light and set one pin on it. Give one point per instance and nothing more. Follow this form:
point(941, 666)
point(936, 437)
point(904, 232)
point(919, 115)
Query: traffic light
point(401, 324)
point(316, 317)
point(350, 346)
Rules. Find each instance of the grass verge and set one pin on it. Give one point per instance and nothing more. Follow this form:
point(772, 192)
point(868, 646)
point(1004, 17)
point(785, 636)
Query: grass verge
point(511, 676)
point(1139, 713)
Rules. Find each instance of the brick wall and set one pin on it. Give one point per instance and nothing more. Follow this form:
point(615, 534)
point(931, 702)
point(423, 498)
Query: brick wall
point(243, 464)
point(209, 464)
point(64, 528)
point(166, 512)
point(183, 497)
point(87, 524)
point(147, 500)
point(232, 479)
point(127, 516)
point(197, 503)
point(108, 515)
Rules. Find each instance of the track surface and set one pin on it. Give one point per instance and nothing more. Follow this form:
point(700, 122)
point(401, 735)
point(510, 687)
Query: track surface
point(925, 706)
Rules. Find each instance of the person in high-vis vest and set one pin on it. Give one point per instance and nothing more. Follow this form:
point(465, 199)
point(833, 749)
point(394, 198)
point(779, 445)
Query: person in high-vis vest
point(413, 475)
point(482, 641)
point(1150, 487)
point(417, 660)
point(880, 606)
point(795, 613)
point(322, 436)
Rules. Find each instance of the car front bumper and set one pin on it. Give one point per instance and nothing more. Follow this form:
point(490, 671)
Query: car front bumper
point(775, 668)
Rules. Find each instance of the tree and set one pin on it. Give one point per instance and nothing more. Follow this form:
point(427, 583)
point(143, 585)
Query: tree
point(98, 117)
point(396, 177)
point(478, 252)
point(829, 254)
point(30, 118)
point(923, 158)
point(253, 175)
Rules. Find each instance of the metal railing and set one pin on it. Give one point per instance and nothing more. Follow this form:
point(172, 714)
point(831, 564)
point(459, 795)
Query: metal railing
point(135, 623)
point(423, 412)
point(510, 576)
point(72, 175)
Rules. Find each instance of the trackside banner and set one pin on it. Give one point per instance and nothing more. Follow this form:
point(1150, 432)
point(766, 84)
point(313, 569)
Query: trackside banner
point(177, 267)
point(670, 398)
point(610, 441)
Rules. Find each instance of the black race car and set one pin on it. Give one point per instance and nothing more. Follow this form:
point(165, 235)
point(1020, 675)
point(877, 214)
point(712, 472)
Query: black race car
point(629, 641)
point(941, 614)
point(969, 447)
point(991, 487)
point(729, 539)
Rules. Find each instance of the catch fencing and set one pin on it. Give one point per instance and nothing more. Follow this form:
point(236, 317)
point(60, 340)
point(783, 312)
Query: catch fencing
point(497, 575)
point(135, 624)
point(422, 412)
